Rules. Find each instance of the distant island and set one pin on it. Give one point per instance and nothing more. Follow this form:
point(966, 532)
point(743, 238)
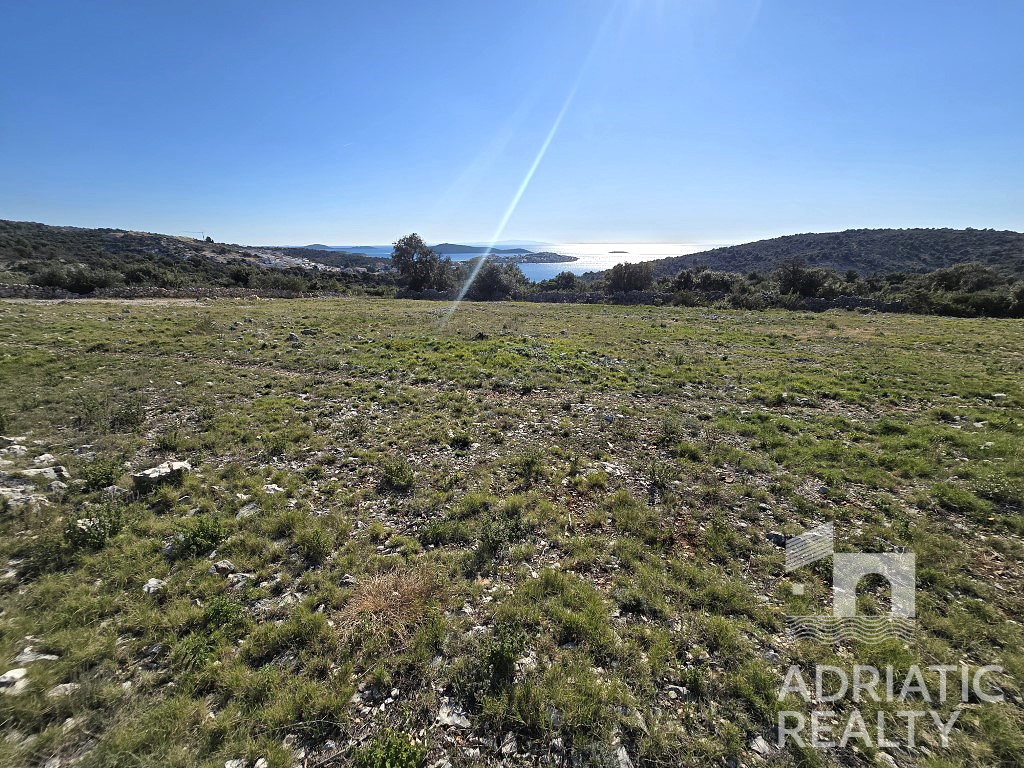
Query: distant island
point(382, 252)
point(618, 251)
point(454, 249)
point(527, 257)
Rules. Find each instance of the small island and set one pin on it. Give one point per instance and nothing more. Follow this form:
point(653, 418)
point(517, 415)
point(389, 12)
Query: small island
point(528, 257)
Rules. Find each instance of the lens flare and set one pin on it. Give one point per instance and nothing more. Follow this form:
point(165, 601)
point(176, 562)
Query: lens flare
point(528, 177)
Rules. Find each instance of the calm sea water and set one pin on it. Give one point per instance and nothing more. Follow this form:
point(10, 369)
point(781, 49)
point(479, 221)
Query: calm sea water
point(597, 256)
point(592, 257)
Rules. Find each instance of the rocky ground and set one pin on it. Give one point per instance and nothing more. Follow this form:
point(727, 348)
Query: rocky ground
point(271, 533)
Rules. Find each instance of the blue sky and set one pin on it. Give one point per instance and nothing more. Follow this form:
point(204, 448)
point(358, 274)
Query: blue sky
point(345, 123)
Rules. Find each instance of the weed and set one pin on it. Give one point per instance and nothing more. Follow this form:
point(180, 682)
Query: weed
point(389, 749)
point(396, 475)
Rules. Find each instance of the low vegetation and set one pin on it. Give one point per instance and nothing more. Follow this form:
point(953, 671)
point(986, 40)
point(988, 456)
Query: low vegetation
point(963, 273)
point(536, 533)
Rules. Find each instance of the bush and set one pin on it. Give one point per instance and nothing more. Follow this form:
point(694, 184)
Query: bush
point(198, 536)
point(92, 531)
point(396, 475)
point(529, 465)
point(102, 472)
point(389, 749)
point(961, 500)
point(314, 544)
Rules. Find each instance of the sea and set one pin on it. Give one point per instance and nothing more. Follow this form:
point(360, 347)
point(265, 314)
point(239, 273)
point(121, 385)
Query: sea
point(594, 257)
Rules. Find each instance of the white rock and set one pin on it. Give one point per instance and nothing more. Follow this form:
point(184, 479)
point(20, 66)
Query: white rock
point(509, 744)
point(64, 689)
point(272, 488)
point(222, 567)
point(169, 471)
point(450, 716)
point(13, 681)
point(45, 460)
point(248, 510)
point(46, 473)
point(153, 586)
point(29, 655)
point(236, 763)
point(761, 746)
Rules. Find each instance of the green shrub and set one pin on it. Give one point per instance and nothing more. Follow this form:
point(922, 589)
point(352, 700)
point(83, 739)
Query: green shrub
point(961, 500)
point(529, 465)
point(389, 749)
point(314, 544)
point(439, 532)
point(396, 475)
point(226, 616)
point(91, 530)
point(128, 414)
point(198, 536)
point(102, 472)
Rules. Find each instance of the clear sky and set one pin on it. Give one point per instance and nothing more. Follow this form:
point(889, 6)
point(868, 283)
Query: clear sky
point(357, 122)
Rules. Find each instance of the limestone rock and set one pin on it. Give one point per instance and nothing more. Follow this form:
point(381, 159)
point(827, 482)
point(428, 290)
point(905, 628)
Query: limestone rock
point(169, 471)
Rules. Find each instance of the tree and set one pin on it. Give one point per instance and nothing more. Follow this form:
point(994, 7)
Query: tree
point(418, 264)
point(495, 283)
point(630, 277)
point(564, 281)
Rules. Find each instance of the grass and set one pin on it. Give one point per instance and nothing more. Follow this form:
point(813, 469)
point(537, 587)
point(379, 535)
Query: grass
point(553, 519)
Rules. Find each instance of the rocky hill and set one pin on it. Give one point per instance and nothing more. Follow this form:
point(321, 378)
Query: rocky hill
point(866, 251)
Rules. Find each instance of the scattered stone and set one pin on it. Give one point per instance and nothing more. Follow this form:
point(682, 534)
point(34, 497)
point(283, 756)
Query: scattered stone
point(886, 760)
point(14, 450)
point(57, 487)
point(761, 746)
point(248, 510)
point(236, 580)
point(169, 471)
point(64, 689)
point(454, 717)
point(623, 757)
point(236, 763)
point(261, 763)
point(310, 331)
point(293, 337)
point(509, 746)
point(13, 681)
point(154, 586)
point(272, 488)
point(29, 655)
point(46, 473)
point(222, 567)
point(44, 460)
point(776, 538)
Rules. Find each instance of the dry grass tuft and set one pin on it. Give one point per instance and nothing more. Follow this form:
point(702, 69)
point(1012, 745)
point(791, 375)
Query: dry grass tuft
point(389, 606)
